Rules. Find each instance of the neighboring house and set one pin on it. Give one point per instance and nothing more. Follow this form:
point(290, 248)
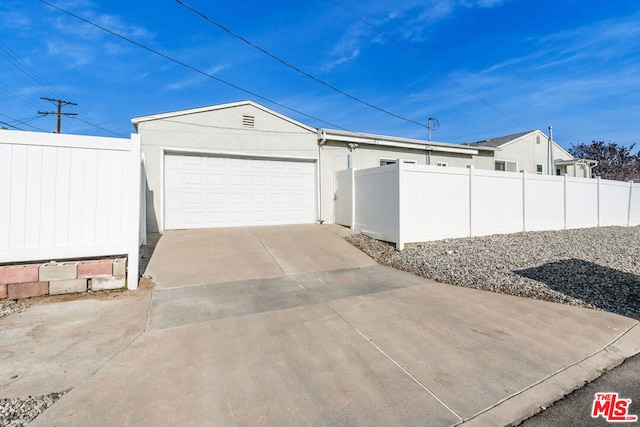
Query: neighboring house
point(242, 164)
point(529, 151)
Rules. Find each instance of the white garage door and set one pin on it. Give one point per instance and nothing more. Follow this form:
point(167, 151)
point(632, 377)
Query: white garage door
point(208, 191)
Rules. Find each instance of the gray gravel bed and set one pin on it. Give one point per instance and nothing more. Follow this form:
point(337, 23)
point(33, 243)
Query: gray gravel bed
point(18, 412)
point(590, 267)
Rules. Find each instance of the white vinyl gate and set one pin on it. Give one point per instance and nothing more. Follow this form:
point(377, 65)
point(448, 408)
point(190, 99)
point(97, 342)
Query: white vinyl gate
point(205, 191)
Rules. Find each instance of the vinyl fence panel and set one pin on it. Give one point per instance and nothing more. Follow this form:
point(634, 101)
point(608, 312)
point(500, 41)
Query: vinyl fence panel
point(544, 202)
point(497, 202)
point(68, 196)
point(343, 190)
point(434, 203)
point(377, 202)
point(581, 202)
point(614, 203)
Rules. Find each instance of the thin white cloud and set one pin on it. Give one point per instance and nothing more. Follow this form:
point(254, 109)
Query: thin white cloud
point(404, 21)
point(347, 48)
point(195, 80)
point(76, 54)
point(13, 20)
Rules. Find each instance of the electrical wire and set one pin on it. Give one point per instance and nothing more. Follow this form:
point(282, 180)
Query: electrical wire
point(97, 126)
point(24, 122)
point(422, 61)
point(293, 67)
point(34, 75)
point(189, 67)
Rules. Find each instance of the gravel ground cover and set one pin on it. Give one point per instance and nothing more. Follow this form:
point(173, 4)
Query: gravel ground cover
point(18, 412)
point(9, 306)
point(591, 267)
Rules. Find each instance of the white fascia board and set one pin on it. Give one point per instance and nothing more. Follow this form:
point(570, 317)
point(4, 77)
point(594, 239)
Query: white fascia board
point(576, 161)
point(472, 151)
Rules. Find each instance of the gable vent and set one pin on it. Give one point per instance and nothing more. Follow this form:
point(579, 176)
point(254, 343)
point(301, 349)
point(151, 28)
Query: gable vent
point(248, 121)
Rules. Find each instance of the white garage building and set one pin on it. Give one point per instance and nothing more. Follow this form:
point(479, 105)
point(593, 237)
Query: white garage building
point(228, 165)
point(242, 164)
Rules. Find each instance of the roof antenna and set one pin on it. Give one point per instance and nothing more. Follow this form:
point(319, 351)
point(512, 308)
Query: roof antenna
point(432, 124)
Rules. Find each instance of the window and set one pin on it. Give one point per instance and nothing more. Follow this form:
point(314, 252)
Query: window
point(385, 162)
point(539, 169)
point(506, 166)
point(442, 164)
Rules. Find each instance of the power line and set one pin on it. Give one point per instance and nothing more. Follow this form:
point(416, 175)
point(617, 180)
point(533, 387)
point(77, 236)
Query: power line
point(98, 126)
point(293, 67)
point(190, 67)
point(24, 121)
point(419, 59)
point(33, 74)
point(10, 125)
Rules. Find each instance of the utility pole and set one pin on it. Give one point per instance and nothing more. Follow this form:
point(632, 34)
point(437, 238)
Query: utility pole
point(59, 113)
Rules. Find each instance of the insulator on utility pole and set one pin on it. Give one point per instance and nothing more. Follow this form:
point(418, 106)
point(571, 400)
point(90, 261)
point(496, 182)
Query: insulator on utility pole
point(59, 113)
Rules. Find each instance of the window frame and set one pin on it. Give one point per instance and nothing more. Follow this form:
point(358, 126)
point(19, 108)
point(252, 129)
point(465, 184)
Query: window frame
point(505, 163)
point(390, 161)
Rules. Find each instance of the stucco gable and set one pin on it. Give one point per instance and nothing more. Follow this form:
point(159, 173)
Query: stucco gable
point(214, 110)
point(522, 137)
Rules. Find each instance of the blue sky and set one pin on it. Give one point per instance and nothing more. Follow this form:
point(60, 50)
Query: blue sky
point(483, 68)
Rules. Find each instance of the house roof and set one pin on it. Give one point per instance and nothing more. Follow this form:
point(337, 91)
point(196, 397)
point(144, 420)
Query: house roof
point(394, 141)
point(499, 141)
point(136, 120)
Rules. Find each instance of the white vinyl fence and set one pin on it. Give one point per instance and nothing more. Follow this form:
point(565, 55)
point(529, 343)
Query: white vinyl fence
point(69, 196)
point(403, 203)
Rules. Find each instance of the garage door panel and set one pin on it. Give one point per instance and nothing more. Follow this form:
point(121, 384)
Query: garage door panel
point(209, 191)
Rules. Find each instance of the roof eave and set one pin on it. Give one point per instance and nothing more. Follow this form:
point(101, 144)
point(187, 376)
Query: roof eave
point(392, 141)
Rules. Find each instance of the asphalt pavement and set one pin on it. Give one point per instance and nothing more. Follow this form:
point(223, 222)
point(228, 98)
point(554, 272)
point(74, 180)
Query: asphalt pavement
point(575, 409)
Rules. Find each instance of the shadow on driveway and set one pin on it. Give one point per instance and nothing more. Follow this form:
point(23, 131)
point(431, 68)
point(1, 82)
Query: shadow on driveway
point(606, 288)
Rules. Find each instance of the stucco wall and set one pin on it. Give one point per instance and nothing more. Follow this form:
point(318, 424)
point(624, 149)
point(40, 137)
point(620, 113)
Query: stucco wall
point(220, 132)
point(531, 150)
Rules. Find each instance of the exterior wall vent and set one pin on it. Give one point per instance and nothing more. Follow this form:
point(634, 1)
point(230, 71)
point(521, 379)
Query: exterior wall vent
point(248, 121)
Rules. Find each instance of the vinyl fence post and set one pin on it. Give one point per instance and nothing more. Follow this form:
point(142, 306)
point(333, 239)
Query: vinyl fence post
point(399, 239)
point(135, 171)
point(598, 197)
point(565, 201)
point(352, 175)
point(630, 198)
point(524, 200)
point(470, 200)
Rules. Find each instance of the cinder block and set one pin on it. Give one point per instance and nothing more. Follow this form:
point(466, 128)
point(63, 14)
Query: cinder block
point(119, 267)
point(107, 282)
point(3, 291)
point(19, 273)
point(57, 287)
point(101, 267)
point(26, 290)
point(59, 271)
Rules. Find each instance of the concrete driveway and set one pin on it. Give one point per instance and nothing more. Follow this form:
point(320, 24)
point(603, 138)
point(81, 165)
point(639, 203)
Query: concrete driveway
point(293, 326)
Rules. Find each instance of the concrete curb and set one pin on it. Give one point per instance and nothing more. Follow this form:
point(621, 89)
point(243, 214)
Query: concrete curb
point(528, 402)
